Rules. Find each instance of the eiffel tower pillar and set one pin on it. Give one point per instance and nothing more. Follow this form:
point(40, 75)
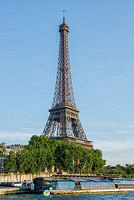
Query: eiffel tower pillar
point(63, 122)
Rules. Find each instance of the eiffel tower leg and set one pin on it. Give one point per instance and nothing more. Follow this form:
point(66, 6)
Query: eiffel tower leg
point(70, 131)
point(81, 131)
point(50, 127)
point(63, 125)
point(78, 129)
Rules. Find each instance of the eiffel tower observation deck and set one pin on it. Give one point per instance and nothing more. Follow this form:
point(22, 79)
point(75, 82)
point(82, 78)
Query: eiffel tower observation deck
point(63, 122)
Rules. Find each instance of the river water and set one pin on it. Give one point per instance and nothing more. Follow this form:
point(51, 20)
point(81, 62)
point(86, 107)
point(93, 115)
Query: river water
point(129, 196)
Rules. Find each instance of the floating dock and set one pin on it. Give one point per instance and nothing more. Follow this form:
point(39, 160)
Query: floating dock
point(95, 191)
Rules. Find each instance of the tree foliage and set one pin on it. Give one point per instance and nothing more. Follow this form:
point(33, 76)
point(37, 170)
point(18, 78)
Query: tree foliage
point(10, 162)
point(2, 149)
point(119, 171)
point(43, 153)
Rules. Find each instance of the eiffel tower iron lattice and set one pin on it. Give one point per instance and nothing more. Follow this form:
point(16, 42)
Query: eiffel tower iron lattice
point(63, 122)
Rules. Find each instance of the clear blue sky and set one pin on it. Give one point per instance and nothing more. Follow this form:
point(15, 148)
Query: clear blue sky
point(101, 41)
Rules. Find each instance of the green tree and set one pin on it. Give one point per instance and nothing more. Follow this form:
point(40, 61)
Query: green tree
point(89, 161)
point(2, 149)
point(43, 152)
point(98, 162)
point(10, 162)
point(64, 156)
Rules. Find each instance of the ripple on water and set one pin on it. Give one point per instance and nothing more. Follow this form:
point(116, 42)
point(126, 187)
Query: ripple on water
point(129, 196)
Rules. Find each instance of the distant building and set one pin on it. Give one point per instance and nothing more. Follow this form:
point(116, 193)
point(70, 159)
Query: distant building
point(14, 148)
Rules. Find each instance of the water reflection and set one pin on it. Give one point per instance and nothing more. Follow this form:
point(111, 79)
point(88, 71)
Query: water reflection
point(129, 196)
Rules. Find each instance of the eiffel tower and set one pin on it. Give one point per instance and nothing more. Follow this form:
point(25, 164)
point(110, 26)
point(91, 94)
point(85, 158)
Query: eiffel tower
point(63, 122)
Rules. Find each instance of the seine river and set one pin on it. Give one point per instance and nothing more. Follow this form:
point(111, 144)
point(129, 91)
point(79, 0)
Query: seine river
point(129, 196)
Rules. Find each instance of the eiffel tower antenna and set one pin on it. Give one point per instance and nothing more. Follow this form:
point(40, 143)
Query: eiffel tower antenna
point(63, 16)
point(63, 122)
point(63, 13)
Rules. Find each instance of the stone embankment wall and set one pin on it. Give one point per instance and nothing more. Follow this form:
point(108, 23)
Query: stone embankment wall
point(17, 177)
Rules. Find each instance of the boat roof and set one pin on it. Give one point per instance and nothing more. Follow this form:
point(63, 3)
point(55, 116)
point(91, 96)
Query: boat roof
point(55, 179)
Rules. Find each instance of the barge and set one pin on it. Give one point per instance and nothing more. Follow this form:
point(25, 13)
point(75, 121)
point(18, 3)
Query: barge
point(82, 185)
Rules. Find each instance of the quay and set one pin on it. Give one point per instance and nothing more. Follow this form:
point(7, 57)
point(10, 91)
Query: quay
point(8, 190)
